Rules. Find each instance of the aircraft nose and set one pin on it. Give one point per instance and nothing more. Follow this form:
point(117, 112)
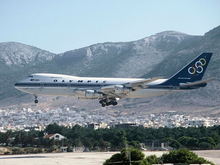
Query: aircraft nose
point(16, 85)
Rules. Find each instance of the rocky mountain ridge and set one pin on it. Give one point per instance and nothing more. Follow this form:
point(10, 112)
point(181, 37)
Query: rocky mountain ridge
point(161, 54)
point(13, 53)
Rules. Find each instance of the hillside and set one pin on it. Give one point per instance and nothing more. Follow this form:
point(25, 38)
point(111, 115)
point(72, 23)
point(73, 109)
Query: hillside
point(161, 54)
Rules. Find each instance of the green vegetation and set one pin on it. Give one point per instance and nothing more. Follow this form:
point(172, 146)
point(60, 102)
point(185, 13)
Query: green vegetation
point(136, 157)
point(111, 139)
point(181, 156)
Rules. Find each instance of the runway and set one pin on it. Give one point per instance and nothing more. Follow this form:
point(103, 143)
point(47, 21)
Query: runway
point(84, 158)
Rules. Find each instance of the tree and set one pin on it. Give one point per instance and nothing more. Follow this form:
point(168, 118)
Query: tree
point(135, 144)
point(24, 139)
point(183, 156)
point(216, 138)
point(172, 142)
point(119, 139)
point(18, 139)
point(77, 142)
point(31, 139)
point(153, 159)
point(6, 137)
point(175, 144)
point(137, 158)
point(208, 140)
point(89, 142)
point(46, 142)
point(51, 142)
point(183, 140)
point(55, 128)
point(192, 143)
point(205, 146)
point(103, 144)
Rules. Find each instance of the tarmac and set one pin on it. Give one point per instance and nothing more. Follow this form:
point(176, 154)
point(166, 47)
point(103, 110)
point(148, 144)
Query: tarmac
point(84, 158)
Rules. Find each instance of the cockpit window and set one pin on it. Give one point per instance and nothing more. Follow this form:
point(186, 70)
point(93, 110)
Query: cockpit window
point(34, 80)
point(30, 76)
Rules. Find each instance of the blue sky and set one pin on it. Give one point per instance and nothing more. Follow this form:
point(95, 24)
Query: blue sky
point(62, 25)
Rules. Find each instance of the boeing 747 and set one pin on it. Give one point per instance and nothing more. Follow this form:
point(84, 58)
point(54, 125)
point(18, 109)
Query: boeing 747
point(110, 90)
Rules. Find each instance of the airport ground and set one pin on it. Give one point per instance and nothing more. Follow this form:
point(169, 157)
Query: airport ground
point(84, 158)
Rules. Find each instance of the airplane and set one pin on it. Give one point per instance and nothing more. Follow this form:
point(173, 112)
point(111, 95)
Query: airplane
point(110, 90)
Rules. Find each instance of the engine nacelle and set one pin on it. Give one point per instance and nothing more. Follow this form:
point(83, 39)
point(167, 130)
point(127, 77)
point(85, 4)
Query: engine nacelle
point(121, 89)
point(91, 94)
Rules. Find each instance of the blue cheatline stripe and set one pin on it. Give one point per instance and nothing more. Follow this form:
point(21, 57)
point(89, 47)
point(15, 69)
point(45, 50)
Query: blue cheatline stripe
point(60, 85)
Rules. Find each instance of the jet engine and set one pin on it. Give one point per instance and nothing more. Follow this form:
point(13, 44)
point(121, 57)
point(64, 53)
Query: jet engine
point(121, 89)
point(91, 94)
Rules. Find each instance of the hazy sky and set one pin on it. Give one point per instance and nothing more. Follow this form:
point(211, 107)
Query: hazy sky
point(62, 25)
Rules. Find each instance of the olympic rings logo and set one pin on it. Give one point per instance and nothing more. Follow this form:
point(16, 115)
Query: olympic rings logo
point(197, 68)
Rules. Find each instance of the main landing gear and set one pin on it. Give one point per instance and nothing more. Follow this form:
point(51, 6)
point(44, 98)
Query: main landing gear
point(106, 102)
point(36, 101)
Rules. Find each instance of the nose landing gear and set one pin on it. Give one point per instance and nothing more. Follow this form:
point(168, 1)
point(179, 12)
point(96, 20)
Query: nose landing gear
point(36, 101)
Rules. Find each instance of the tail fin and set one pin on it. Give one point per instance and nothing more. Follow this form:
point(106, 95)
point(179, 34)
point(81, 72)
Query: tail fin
point(193, 71)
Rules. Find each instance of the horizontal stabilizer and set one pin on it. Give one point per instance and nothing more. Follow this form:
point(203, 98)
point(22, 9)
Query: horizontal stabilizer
point(195, 83)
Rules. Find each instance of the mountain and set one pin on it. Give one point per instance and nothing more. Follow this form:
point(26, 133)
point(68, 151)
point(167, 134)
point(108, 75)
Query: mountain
point(18, 54)
point(17, 61)
point(161, 54)
point(120, 59)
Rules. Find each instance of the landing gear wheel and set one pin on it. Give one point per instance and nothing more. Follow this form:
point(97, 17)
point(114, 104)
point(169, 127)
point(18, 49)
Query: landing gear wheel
point(36, 101)
point(106, 102)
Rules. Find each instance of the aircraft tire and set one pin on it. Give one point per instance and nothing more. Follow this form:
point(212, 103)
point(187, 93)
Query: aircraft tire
point(107, 104)
point(103, 105)
point(36, 101)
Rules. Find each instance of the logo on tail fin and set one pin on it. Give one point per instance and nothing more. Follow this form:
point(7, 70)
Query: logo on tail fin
point(197, 68)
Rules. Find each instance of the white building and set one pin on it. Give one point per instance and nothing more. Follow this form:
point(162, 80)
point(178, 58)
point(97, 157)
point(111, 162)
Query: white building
point(56, 136)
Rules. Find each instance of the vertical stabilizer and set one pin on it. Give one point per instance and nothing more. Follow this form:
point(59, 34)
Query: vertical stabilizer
point(192, 72)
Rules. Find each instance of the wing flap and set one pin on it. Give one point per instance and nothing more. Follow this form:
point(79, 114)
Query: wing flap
point(134, 85)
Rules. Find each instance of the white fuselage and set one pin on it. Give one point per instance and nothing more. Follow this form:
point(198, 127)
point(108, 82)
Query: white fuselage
point(109, 90)
point(64, 85)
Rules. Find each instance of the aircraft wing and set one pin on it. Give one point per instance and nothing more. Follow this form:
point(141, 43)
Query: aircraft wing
point(133, 86)
point(140, 83)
